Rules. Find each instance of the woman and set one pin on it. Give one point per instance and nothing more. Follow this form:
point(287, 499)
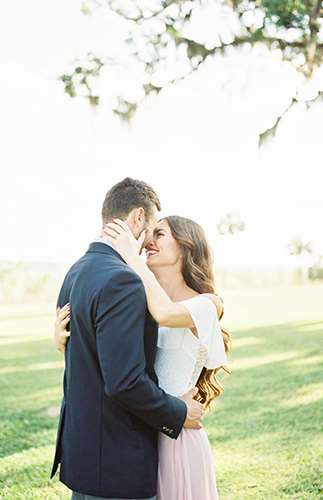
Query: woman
point(192, 347)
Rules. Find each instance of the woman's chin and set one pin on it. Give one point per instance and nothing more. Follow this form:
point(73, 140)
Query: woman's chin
point(151, 263)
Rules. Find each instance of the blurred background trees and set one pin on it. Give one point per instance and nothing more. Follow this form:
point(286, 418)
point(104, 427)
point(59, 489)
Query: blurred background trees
point(310, 261)
point(231, 223)
point(165, 41)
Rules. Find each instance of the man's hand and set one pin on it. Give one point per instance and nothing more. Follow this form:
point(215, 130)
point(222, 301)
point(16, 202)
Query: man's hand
point(195, 410)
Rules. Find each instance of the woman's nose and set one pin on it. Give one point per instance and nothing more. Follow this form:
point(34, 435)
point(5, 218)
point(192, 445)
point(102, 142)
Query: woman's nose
point(149, 239)
point(150, 243)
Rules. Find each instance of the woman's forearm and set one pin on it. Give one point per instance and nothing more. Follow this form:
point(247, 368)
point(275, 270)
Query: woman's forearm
point(159, 303)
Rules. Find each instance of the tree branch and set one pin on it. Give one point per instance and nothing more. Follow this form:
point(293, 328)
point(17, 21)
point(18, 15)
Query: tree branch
point(314, 29)
point(270, 133)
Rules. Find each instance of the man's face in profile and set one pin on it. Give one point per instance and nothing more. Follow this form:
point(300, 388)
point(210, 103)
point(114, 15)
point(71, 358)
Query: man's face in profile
point(149, 226)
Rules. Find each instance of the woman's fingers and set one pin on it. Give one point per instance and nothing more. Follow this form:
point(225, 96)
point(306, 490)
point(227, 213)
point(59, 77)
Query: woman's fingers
point(116, 228)
point(63, 314)
point(112, 226)
point(61, 334)
point(109, 233)
point(63, 309)
point(65, 321)
point(120, 223)
point(123, 224)
point(109, 238)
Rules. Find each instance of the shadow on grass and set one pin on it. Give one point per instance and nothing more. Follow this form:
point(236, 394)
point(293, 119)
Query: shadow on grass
point(250, 409)
point(278, 336)
point(27, 394)
point(252, 404)
point(29, 352)
point(288, 325)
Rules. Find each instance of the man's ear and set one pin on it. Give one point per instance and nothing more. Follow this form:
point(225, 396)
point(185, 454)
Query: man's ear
point(138, 216)
point(135, 220)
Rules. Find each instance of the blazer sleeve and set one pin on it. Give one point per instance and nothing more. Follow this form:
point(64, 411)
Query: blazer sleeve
point(120, 320)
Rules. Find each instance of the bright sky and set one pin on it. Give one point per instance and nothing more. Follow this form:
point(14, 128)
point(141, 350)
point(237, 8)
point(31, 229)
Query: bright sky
point(196, 144)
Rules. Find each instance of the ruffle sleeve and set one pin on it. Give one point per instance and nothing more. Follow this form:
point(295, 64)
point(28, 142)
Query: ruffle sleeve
point(205, 318)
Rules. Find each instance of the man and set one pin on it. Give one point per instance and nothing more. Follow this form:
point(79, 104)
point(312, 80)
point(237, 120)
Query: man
point(113, 408)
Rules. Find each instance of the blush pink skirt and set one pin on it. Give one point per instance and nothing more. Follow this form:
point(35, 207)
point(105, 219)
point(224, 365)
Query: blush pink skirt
point(186, 467)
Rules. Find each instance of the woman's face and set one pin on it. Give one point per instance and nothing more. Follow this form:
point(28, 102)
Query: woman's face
point(163, 250)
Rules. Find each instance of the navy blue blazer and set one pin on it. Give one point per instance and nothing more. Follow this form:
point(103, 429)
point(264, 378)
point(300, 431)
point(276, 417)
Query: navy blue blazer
point(112, 408)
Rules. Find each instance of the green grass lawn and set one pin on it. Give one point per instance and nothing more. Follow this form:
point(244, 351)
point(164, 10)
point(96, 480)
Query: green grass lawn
point(266, 429)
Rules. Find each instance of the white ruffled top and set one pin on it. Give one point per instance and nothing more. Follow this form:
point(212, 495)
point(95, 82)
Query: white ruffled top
point(181, 355)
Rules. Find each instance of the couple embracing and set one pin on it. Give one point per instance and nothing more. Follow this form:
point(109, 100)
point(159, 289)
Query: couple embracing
point(143, 344)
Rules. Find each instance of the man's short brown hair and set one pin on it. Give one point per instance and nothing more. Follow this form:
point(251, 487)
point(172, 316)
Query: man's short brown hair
point(127, 195)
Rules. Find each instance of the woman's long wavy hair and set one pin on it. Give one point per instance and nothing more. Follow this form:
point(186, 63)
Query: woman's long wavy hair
point(197, 270)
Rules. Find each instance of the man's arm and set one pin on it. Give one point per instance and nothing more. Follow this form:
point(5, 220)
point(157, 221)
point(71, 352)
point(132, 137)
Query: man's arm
point(120, 319)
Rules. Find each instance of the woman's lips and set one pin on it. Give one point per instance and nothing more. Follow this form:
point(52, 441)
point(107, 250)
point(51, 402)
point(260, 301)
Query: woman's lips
point(151, 253)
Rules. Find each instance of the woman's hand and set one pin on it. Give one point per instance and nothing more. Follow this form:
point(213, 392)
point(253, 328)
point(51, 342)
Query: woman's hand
point(61, 334)
point(120, 236)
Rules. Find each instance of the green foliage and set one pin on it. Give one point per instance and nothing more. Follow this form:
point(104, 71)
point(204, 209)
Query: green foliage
point(80, 79)
point(156, 29)
point(231, 223)
point(315, 272)
point(287, 13)
point(299, 246)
